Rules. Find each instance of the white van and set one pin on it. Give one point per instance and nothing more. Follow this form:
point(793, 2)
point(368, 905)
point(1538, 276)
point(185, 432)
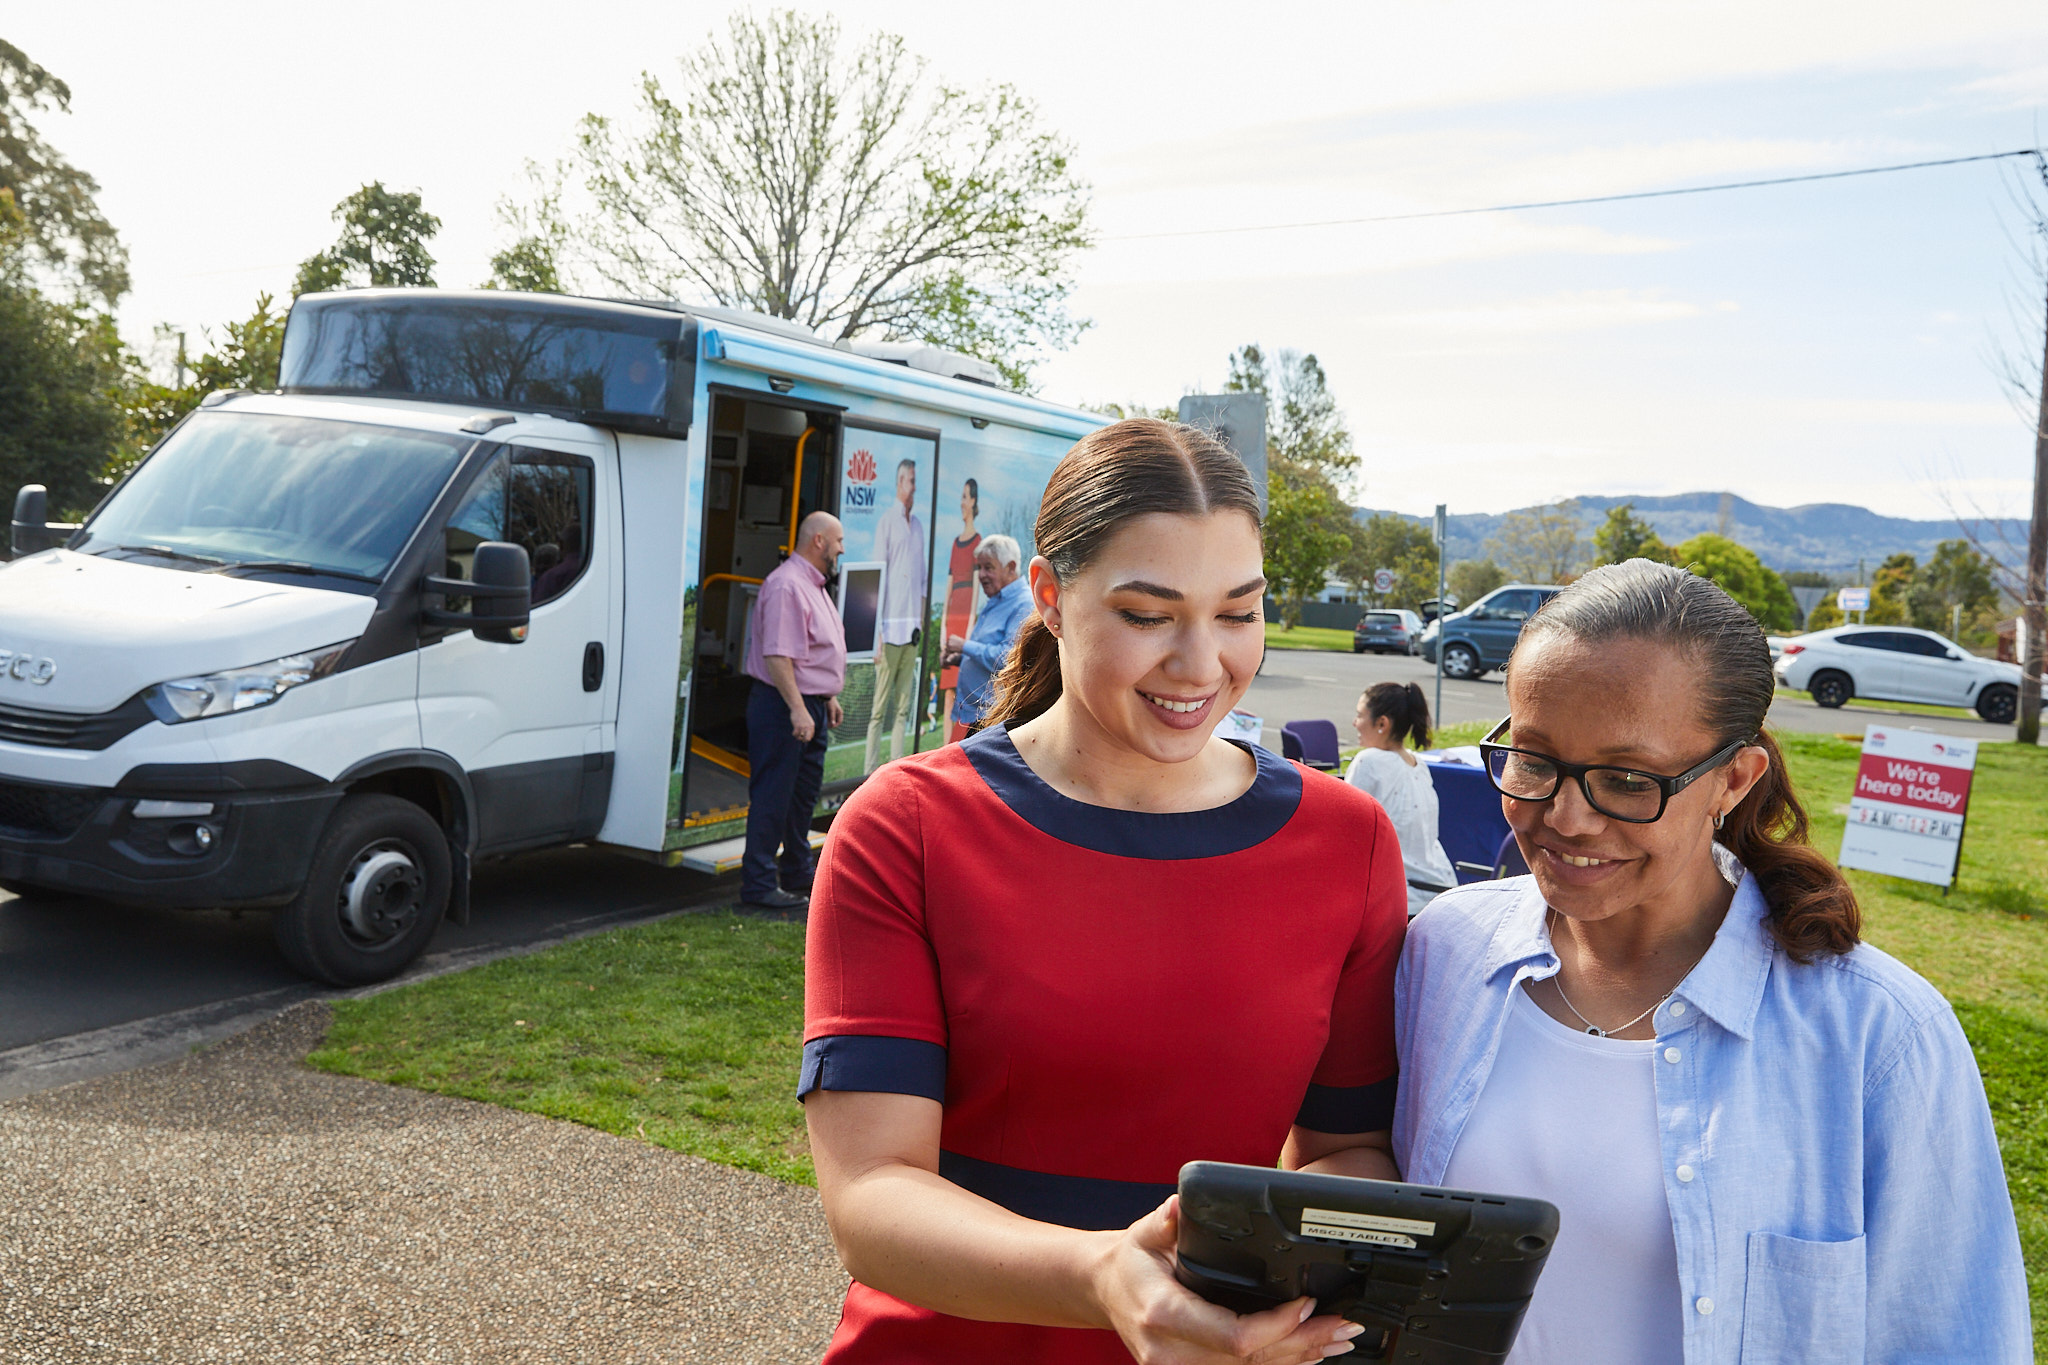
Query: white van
point(474, 581)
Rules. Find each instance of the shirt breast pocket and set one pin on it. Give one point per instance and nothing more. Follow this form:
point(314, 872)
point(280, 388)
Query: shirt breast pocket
point(1803, 1302)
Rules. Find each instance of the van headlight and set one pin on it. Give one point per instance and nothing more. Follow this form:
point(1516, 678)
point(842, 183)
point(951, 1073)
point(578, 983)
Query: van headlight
point(240, 689)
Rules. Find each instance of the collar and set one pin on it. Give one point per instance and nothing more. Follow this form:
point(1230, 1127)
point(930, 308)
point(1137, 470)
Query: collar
point(1010, 591)
point(811, 572)
point(1727, 984)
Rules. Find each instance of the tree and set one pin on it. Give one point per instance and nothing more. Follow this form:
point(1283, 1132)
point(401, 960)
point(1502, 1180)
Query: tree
point(1954, 576)
point(1396, 543)
point(540, 236)
point(1472, 579)
point(1540, 544)
point(247, 358)
point(61, 367)
point(1306, 438)
point(1625, 536)
point(62, 230)
point(1301, 542)
point(1888, 588)
point(833, 185)
point(383, 244)
point(1743, 577)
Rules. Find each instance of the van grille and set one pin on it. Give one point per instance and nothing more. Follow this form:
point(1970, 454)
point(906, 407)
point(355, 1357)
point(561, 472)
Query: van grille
point(47, 812)
point(64, 730)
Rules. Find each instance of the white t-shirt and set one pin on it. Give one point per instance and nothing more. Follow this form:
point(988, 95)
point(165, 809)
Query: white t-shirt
point(1571, 1118)
point(1409, 795)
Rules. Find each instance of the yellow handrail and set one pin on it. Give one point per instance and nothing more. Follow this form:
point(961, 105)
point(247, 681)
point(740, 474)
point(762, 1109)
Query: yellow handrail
point(727, 578)
point(796, 490)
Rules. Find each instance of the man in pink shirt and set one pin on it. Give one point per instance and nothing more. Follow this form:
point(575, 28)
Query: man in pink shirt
point(796, 655)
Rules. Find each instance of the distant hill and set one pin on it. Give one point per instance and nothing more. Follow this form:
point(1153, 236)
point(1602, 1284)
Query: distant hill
point(1826, 536)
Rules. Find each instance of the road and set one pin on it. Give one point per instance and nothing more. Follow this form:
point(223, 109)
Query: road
point(1302, 684)
point(141, 984)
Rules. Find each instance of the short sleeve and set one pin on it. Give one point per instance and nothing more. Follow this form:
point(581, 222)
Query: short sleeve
point(874, 1018)
point(779, 620)
point(1354, 1084)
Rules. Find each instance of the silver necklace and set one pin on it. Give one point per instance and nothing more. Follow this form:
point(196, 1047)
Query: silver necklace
point(1557, 982)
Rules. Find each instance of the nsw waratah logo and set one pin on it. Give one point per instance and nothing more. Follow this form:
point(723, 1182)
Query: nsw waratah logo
point(860, 480)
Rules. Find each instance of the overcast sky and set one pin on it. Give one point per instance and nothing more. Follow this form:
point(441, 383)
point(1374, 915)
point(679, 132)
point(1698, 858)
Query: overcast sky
point(1830, 342)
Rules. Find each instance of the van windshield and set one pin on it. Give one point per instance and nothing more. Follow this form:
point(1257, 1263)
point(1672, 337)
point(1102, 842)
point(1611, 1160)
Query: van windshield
point(228, 489)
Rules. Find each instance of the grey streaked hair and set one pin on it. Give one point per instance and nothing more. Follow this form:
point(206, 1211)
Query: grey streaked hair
point(1004, 548)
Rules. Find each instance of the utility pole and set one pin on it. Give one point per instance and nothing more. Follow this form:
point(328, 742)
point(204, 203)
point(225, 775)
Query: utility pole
point(2035, 603)
point(1439, 528)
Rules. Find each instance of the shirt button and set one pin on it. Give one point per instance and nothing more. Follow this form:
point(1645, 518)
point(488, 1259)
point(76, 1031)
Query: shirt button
point(1705, 1305)
point(1671, 1054)
point(1677, 1009)
point(1685, 1175)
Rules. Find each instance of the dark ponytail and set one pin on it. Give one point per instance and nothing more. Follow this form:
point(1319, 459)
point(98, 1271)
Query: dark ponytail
point(1406, 706)
point(1813, 911)
point(1128, 469)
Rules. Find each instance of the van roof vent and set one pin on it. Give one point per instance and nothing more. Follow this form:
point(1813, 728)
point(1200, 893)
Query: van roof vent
point(919, 355)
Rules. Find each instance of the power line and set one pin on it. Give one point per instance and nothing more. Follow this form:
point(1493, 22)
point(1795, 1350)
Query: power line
point(1570, 203)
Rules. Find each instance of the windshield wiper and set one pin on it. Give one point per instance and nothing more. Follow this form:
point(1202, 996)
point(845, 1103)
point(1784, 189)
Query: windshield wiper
point(163, 551)
point(291, 566)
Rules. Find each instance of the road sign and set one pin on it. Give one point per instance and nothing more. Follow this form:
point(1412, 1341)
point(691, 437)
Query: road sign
point(1853, 599)
point(1911, 798)
point(1383, 581)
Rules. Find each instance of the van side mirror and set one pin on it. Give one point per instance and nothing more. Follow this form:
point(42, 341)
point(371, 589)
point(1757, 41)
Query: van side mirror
point(500, 593)
point(31, 520)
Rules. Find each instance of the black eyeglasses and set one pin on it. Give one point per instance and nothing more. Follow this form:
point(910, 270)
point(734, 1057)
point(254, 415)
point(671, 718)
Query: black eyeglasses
point(1625, 794)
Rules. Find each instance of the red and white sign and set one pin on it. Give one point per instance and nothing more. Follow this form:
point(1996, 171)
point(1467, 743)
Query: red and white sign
point(1912, 796)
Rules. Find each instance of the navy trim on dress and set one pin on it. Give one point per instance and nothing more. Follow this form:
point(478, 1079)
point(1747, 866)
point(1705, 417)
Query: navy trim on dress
point(1262, 812)
point(1349, 1108)
point(890, 1066)
point(1073, 1201)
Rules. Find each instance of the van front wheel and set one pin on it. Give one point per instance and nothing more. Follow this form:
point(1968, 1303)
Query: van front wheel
point(374, 896)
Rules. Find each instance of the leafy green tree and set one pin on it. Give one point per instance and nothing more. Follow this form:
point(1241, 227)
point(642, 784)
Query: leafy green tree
point(1540, 544)
point(1303, 539)
point(836, 186)
point(540, 236)
point(1472, 579)
point(383, 244)
point(1625, 536)
point(1743, 576)
point(61, 371)
point(1955, 575)
point(1888, 588)
point(247, 358)
point(1390, 542)
point(1123, 411)
point(62, 230)
point(1306, 437)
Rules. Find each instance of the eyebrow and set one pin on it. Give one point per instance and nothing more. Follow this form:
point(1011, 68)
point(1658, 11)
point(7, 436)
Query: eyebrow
point(1166, 594)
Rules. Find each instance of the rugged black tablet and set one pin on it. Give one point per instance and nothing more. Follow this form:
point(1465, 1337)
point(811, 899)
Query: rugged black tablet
point(1444, 1275)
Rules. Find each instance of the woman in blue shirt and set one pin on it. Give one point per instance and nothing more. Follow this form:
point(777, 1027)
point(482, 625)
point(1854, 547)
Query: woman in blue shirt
point(1767, 1141)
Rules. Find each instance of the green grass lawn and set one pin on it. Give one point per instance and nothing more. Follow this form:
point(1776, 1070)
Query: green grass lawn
point(687, 1033)
point(1307, 637)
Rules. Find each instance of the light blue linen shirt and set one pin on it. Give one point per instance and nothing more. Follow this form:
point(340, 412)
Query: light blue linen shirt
point(987, 649)
point(1833, 1177)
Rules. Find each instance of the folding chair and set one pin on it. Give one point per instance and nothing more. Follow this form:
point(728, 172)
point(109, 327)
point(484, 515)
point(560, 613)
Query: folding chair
point(1313, 742)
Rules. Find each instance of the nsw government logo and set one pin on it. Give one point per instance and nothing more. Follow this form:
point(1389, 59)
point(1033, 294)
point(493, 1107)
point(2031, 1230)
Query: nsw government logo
point(860, 480)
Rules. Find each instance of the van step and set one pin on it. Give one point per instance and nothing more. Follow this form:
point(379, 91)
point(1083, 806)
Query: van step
point(724, 856)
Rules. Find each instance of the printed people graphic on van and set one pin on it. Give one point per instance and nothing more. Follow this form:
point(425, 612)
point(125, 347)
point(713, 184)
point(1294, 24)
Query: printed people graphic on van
point(963, 599)
point(899, 544)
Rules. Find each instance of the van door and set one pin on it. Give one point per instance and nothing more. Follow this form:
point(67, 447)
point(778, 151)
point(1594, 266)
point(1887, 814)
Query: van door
point(531, 723)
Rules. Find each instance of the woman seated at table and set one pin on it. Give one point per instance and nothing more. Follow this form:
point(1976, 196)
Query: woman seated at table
point(1766, 1140)
point(1390, 717)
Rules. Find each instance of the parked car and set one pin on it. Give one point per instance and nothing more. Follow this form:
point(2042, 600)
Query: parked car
point(1386, 632)
point(1479, 639)
point(1898, 663)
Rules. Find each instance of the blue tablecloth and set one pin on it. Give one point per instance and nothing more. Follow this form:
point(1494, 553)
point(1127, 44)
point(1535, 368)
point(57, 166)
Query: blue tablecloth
point(1468, 820)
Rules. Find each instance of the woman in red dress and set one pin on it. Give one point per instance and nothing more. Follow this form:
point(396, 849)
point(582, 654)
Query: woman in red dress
point(1051, 964)
point(962, 598)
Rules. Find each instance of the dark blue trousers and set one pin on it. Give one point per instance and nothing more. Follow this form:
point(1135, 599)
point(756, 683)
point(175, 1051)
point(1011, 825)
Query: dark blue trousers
point(783, 782)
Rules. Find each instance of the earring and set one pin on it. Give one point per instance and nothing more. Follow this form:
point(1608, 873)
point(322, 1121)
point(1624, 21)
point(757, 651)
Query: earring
point(1720, 818)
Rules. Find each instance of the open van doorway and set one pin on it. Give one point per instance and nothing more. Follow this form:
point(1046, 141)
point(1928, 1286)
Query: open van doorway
point(770, 463)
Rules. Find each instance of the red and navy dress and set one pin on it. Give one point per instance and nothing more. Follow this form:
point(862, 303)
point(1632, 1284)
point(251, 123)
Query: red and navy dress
point(1096, 996)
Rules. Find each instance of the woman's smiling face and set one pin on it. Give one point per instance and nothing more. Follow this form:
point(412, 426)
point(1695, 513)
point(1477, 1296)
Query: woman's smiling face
point(1162, 633)
point(1632, 704)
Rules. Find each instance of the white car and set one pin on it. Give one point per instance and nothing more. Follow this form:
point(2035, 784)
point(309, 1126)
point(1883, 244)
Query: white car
point(1897, 663)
